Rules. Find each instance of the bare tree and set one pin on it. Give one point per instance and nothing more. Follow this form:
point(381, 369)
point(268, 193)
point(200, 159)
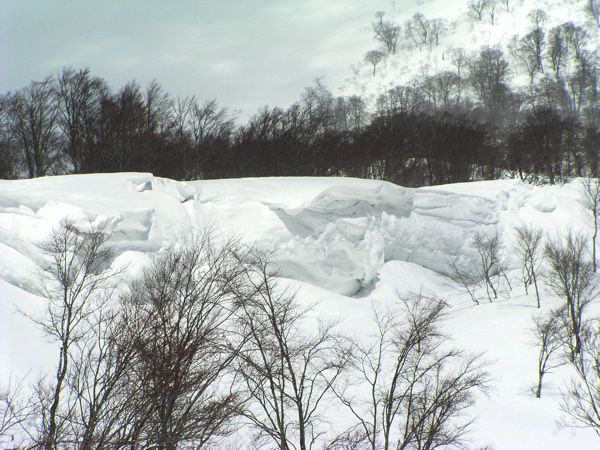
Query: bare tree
point(442, 89)
point(459, 59)
point(100, 401)
point(422, 28)
point(592, 8)
point(79, 96)
point(351, 113)
point(537, 17)
point(408, 379)
point(14, 413)
point(572, 278)
point(157, 107)
point(547, 332)
point(476, 9)
point(210, 125)
point(537, 39)
point(177, 318)
point(576, 37)
point(351, 439)
point(386, 33)
point(528, 248)
point(448, 85)
point(78, 271)
point(506, 4)
point(33, 112)
point(528, 50)
point(581, 401)
point(9, 157)
point(490, 7)
point(468, 279)
point(491, 267)
point(286, 373)
point(438, 28)
point(591, 202)
point(374, 57)
point(557, 50)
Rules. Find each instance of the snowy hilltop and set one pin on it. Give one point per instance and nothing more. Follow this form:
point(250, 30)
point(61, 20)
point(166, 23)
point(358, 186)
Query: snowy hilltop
point(437, 37)
point(344, 245)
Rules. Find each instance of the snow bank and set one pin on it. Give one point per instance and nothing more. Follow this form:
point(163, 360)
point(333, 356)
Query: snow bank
point(335, 233)
point(331, 237)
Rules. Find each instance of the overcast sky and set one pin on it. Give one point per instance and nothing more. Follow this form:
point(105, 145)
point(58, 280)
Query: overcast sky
point(244, 53)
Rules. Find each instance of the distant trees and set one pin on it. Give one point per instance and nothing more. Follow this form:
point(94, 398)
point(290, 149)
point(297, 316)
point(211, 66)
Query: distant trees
point(202, 133)
point(386, 33)
point(374, 57)
point(442, 126)
point(9, 159)
point(491, 6)
point(557, 50)
point(488, 75)
point(79, 97)
point(33, 123)
point(422, 31)
point(537, 17)
point(476, 9)
point(545, 143)
point(528, 51)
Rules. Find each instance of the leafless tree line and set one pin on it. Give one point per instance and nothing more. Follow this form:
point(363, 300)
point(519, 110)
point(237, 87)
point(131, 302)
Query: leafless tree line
point(546, 131)
point(75, 124)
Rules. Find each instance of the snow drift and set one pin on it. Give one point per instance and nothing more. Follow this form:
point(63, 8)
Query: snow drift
point(333, 233)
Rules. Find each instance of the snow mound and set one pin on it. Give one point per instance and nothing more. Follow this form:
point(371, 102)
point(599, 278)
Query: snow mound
point(335, 233)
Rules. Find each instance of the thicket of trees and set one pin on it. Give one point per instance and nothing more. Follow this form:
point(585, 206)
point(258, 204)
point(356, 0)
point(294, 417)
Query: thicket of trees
point(459, 124)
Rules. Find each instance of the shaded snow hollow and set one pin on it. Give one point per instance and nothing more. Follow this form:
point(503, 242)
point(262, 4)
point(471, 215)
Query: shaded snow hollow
point(335, 233)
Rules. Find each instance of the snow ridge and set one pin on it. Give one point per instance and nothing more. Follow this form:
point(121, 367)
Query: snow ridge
point(335, 233)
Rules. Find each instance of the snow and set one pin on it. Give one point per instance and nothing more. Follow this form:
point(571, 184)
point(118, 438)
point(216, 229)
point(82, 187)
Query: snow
point(344, 243)
point(410, 63)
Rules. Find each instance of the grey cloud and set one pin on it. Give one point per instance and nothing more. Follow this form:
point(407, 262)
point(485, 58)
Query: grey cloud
point(244, 53)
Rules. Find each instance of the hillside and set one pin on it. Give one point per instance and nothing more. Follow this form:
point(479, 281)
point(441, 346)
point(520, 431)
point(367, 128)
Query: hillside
point(461, 29)
point(343, 243)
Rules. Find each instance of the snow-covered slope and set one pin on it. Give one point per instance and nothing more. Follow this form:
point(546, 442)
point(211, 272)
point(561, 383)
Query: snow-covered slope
point(344, 243)
point(463, 31)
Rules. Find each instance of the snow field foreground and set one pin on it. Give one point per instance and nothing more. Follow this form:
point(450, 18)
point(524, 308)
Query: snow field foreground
point(344, 243)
